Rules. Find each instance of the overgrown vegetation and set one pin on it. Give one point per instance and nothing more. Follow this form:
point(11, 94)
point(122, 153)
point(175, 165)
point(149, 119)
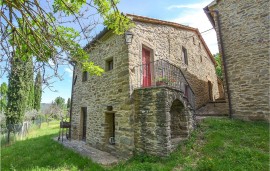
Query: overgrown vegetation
point(217, 144)
point(218, 67)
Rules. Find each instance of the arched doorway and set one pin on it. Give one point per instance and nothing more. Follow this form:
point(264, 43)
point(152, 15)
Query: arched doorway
point(179, 121)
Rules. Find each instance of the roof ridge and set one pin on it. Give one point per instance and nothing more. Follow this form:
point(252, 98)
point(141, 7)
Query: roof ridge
point(139, 17)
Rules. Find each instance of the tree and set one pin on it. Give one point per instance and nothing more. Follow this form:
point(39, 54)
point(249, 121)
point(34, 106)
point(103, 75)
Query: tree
point(68, 103)
point(3, 96)
point(218, 67)
point(29, 81)
point(38, 91)
point(43, 30)
point(60, 101)
point(17, 99)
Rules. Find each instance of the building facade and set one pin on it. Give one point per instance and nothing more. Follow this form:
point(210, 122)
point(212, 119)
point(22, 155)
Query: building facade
point(243, 36)
point(146, 99)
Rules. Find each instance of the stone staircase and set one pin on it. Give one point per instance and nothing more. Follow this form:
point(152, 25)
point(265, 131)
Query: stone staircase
point(215, 108)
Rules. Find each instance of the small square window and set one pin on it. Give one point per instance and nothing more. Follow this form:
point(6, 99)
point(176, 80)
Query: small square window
point(184, 55)
point(109, 64)
point(84, 76)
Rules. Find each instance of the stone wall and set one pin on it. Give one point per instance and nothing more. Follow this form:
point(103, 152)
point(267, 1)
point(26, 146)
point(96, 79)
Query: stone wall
point(153, 116)
point(166, 43)
point(115, 88)
point(217, 108)
point(110, 89)
point(245, 32)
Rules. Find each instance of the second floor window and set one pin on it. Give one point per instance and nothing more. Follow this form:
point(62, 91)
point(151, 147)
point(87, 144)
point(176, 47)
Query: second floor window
point(84, 76)
point(184, 56)
point(109, 64)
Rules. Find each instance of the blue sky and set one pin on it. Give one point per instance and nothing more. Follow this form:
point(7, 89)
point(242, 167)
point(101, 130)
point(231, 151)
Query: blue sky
point(187, 12)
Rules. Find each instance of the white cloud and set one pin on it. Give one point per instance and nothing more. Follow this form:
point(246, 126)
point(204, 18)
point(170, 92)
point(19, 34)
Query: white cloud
point(69, 71)
point(191, 6)
point(198, 19)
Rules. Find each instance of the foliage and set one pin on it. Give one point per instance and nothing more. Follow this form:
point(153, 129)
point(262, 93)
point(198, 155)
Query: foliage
point(38, 91)
point(68, 103)
point(59, 101)
point(29, 81)
point(3, 96)
point(52, 32)
point(218, 67)
point(17, 98)
point(31, 115)
point(20, 90)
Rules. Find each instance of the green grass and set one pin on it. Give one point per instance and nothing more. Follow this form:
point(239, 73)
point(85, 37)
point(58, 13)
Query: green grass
point(40, 152)
point(217, 144)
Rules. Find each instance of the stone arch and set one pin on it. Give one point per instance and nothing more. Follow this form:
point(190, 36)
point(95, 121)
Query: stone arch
point(178, 121)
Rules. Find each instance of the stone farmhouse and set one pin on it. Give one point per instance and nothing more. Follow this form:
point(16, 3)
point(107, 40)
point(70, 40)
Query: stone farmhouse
point(242, 29)
point(156, 76)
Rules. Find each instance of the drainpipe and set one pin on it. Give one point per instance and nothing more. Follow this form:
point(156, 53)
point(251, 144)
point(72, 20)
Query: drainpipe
point(71, 101)
point(208, 13)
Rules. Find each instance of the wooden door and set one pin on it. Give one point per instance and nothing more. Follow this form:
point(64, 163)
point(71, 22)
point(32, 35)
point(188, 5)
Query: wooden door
point(146, 59)
point(84, 123)
point(210, 87)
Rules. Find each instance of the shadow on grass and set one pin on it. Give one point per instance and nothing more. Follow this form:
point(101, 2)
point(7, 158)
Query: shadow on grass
point(43, 153)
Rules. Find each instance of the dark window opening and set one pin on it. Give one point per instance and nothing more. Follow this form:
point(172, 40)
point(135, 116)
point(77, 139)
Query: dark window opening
point(187, 91)
point(184, 55)
point(201, 58)
point(109, 64)
point(84, 76)
point(193, 40)
point(75, 79)
point(200, 45)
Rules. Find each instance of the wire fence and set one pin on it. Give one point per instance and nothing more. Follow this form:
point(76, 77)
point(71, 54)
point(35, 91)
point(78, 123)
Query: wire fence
point(10, 133)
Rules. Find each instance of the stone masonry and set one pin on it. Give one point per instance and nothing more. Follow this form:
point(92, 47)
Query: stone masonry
point(126, 122)
point(245, 26)
point(157, 124)
point(166, 41)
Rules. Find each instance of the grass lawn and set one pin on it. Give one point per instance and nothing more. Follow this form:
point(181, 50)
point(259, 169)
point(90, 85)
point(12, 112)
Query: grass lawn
point(217, 144)
point(40, 152)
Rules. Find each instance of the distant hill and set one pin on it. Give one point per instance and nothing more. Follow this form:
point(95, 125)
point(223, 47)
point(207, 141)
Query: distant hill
point(44, 106)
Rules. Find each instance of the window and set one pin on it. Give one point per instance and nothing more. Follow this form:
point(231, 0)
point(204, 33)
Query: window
point(193, 40)
point(84, 76)
point(109, 64)
point(184, 55)
point(75, 80)
point(201, 58)
point(200, 45)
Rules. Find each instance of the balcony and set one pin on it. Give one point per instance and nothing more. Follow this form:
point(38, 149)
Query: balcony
point(161, 73)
